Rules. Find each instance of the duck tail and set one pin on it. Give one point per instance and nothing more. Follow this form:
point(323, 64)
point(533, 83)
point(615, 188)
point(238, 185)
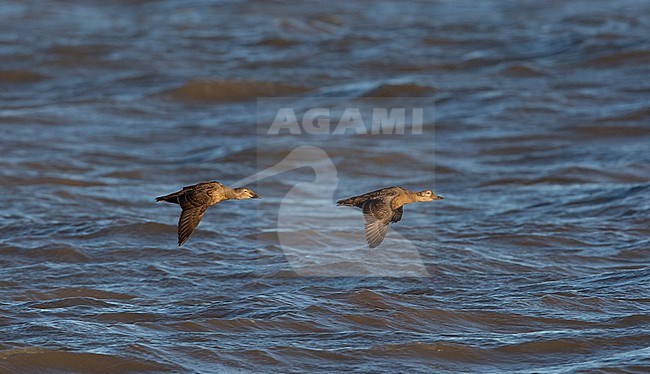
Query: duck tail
point(171, 198)
point(345, 202)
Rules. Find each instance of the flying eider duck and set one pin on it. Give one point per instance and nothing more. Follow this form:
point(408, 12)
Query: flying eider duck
point(384, 206)
point(197, 198)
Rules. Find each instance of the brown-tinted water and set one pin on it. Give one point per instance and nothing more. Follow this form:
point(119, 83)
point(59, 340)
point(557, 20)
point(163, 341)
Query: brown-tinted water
point(536, 261)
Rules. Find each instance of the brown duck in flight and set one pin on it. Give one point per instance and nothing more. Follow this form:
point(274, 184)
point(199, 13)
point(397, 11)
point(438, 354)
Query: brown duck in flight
point(197, 198)
point(384, 206)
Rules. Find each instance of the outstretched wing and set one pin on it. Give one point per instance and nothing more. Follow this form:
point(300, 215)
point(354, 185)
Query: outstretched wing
point(194, 203)
point(190, 218)
point(397, 214)
point(376, 216)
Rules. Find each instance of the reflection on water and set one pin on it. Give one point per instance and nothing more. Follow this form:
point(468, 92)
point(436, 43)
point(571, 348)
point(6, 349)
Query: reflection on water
point(536, 259)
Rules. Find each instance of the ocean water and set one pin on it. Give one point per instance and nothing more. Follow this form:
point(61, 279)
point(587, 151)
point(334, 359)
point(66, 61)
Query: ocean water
point(536, 131)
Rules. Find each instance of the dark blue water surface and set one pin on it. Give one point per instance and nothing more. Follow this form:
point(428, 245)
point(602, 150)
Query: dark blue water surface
point(536, 131)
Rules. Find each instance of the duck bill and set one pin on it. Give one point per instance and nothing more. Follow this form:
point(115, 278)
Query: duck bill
point(438, 197)
point(255, 196)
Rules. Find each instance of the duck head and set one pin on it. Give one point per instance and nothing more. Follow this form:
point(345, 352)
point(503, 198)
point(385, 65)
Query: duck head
point(427, 195)
point(243, 193)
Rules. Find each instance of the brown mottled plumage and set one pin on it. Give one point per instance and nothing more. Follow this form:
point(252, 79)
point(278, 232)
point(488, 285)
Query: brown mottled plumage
point(194, 200)
point(384, 206)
